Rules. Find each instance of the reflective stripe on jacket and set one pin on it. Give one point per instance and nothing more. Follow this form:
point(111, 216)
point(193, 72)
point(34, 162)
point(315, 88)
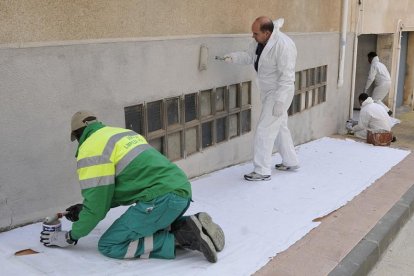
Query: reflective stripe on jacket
point(116, 167)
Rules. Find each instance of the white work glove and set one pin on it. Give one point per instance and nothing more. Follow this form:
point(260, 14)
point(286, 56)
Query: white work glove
point(278, 109)
point(59, 238)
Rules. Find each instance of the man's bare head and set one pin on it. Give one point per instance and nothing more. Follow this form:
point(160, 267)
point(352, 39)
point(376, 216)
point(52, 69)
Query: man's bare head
point(262, 29)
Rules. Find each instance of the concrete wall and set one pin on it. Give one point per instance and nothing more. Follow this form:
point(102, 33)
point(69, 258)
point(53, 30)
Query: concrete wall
point(41, 87)
point(56, 20)
point(381, 16)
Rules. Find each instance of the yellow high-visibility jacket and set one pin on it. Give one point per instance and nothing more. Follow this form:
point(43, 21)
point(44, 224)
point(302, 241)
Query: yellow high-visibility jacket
point(116, 167)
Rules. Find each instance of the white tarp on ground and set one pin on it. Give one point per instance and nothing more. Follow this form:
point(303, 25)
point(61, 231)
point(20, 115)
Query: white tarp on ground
point(259, 219)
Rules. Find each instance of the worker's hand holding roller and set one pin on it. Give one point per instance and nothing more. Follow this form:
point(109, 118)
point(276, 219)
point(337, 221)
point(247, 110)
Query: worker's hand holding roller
point(61, 238)
point(73, 212)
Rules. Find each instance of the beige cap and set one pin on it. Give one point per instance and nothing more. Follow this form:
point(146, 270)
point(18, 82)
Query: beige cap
point(78, 121)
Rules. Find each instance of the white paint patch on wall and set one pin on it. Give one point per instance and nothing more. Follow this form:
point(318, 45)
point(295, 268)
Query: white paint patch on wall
point(41, 87)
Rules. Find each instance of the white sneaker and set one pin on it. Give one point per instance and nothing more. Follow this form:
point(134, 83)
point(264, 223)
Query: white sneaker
point(253, 176)
point(282, 167)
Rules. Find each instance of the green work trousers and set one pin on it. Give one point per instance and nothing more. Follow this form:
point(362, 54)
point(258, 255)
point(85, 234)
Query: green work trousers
point(143, 230)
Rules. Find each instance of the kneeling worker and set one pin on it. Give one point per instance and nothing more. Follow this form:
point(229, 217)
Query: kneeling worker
point(372, 117)
point(116, 167)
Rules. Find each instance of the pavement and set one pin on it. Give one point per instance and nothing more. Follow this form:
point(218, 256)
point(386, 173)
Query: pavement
point(357, 239)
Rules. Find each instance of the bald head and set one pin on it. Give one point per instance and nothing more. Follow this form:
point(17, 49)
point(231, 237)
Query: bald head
point(265, 23)
point(262, 29)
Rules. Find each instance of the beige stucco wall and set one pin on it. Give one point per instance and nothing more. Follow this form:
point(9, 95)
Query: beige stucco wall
point(381, 16)
point(56, 20)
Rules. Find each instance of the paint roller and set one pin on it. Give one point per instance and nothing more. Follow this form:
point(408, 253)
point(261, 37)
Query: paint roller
point(55, 217)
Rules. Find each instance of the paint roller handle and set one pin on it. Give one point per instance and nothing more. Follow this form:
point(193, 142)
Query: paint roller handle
point(55, 217)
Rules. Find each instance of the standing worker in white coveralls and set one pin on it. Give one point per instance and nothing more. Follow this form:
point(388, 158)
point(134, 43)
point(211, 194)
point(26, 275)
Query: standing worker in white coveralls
point(273, 55)
point(379, 75)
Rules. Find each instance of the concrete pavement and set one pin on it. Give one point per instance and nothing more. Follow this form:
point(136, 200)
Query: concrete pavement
point(351, 240)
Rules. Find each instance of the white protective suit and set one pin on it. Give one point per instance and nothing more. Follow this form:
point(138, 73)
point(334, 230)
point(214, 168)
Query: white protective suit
point(379, 74)
point(275, 77)
point(372, 117)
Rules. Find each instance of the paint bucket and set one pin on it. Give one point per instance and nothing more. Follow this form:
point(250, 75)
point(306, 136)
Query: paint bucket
point(52, 226)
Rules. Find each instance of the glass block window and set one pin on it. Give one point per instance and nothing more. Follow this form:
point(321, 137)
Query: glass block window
point(207, 134)
point(205, 103)
point(154, 115)
point(297, 81)
point(190, 103)
point(310, 89)
point(191, 140)
point(184, 125)
point(158, 144)
point(134, 118)
point(173, 111)
point(310, 78)
point(233, 125)
point(245, 121)
point(174, 145)
point(233, 96)
point(246, 93)
point(221, 129)
point(220, 99)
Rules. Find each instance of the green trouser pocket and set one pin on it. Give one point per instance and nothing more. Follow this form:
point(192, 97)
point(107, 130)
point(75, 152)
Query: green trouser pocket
point(125, 238)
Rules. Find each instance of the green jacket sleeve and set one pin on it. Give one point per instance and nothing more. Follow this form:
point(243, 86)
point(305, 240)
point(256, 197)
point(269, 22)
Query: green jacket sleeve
point(96, 204)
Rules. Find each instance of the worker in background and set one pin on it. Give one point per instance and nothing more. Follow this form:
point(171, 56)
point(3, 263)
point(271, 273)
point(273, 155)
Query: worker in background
point(379, 75)
point(273, 55)
point(372, 117)
point(116, 167)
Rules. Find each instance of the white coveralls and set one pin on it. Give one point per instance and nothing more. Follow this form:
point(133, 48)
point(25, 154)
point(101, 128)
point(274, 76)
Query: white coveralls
point(372, 117)
point(275, 77)
point(379, 74)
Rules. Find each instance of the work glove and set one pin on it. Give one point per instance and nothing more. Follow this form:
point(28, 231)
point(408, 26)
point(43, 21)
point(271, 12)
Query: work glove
point(73, 212)
point(59, 238)
point(278, 109)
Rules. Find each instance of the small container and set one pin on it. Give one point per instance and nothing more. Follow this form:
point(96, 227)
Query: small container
point(52, 226)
